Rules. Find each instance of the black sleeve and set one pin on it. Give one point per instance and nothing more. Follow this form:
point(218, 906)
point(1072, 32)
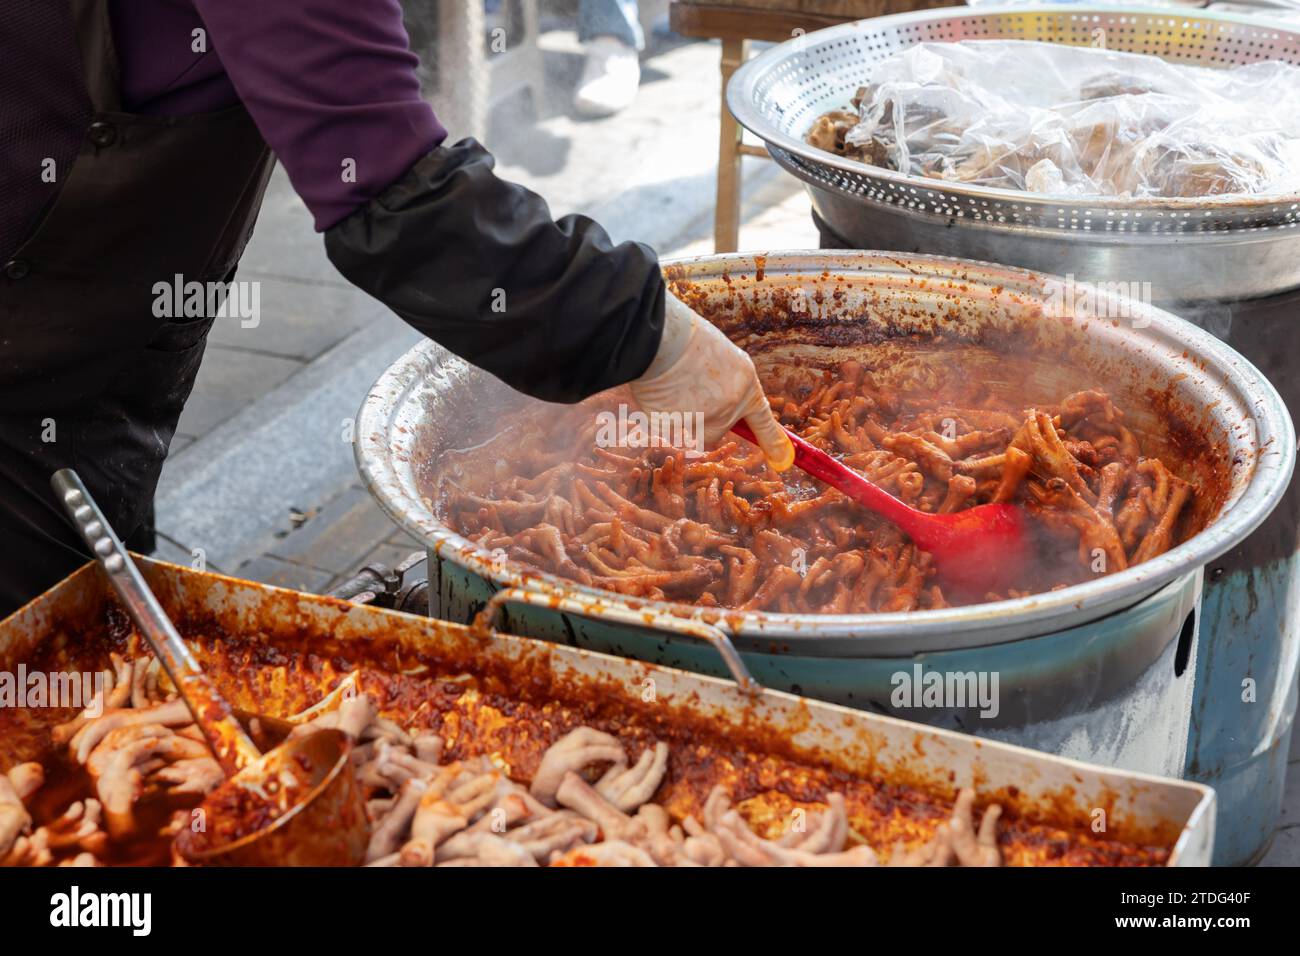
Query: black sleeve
point(554, 309)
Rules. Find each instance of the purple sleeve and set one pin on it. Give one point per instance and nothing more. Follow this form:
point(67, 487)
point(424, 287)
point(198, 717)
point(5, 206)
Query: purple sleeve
point(332, 86)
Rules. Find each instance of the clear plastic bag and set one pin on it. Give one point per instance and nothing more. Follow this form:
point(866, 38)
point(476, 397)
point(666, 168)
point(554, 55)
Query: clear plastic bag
point(1080, 121)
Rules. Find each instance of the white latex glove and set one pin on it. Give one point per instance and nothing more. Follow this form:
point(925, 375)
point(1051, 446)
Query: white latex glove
point(698, 370)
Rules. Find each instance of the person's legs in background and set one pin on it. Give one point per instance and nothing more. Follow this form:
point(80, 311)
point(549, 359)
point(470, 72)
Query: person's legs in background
point(611, 34)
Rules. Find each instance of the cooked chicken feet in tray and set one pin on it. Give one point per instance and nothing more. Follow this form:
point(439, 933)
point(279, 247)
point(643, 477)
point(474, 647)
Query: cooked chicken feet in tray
point(589, 803)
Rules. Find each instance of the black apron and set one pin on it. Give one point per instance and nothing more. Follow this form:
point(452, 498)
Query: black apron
point(90, 377)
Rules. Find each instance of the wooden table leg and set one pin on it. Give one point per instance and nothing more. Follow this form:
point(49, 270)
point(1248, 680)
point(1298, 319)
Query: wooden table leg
point(726, 218)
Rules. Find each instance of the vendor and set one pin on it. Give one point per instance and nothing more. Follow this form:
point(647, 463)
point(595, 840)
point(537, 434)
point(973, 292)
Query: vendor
point(136, 139)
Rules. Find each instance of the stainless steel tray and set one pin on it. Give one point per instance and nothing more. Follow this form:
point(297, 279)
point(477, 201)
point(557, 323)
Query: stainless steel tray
point(860, 743)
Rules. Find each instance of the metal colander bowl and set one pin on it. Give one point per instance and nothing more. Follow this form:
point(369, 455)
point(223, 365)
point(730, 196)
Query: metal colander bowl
point(1189, 249)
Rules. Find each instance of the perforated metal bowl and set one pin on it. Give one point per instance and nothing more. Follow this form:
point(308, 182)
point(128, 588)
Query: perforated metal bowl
point(1189, 249)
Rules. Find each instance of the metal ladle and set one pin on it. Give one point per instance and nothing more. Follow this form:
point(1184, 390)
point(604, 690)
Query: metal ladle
point(324, 821)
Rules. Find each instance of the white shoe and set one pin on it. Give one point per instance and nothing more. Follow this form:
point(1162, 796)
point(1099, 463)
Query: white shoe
point(609, 79)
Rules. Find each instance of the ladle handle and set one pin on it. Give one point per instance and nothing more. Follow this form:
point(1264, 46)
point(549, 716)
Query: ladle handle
point(230, 744)
point(812, 460)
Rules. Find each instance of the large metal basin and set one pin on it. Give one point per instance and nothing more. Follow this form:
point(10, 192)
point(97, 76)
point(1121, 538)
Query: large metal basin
point(1101, 670)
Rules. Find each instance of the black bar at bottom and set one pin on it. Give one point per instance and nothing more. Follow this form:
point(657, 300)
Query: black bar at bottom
point(812, 907)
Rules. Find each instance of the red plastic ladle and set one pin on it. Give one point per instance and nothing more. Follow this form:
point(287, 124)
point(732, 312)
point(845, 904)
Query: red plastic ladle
point(978, 550)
